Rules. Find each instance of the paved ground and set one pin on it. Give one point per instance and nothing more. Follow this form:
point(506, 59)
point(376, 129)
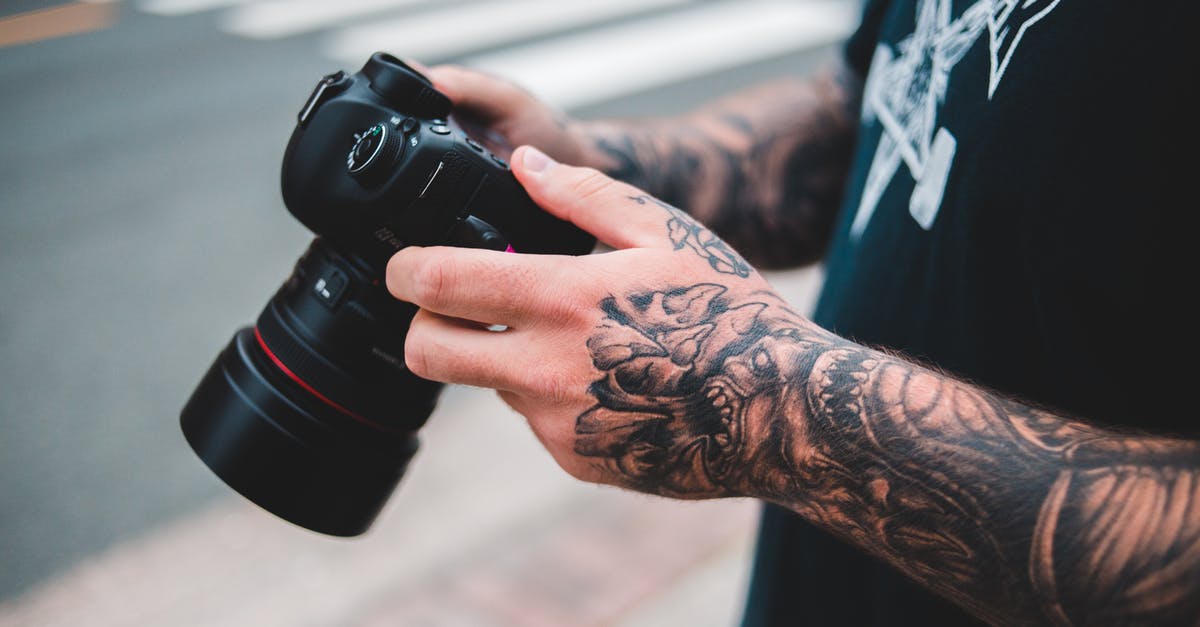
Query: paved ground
point(140, 224)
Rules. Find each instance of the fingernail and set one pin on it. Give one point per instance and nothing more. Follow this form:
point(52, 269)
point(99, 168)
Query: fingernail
point(536, 161)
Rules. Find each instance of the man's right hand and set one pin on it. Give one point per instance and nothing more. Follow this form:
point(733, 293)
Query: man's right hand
point(504, 116)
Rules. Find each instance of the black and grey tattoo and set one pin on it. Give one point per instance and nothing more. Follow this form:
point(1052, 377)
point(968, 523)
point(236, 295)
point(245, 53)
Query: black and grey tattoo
point(683, 232)
point(1017, 514)
point(764, 169)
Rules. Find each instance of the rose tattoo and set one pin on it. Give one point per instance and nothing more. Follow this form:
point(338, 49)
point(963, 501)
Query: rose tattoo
point(686, 232)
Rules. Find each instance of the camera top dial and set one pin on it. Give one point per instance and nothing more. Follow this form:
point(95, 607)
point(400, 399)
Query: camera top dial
point(375, 151)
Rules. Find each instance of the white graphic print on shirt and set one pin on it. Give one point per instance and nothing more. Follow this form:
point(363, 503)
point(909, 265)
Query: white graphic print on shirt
point(1006, 26)
point(906, 87)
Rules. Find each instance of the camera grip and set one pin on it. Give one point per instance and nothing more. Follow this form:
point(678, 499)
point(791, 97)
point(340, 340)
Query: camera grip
point(502, 203)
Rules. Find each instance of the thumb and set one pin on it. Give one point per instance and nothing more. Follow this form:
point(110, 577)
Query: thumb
point(618, 214)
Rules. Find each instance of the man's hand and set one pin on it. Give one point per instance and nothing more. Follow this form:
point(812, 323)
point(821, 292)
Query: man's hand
point(503, 115)
point(636, 367)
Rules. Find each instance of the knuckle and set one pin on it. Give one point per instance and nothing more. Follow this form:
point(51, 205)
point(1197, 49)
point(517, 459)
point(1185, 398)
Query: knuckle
point(568, 312)
point(552, 386)
point(590, 184)
point(430, 280)
point(574, 305)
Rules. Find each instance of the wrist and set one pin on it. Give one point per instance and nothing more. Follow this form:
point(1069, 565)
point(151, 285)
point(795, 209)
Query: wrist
point(629, 151)
point(602, 144)
point(781, 434)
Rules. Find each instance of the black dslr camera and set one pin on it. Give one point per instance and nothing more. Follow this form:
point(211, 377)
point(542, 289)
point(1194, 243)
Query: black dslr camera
point(311, 413)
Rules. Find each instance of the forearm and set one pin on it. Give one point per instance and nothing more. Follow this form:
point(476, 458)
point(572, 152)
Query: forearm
point(764, 168)
point(1018, 514)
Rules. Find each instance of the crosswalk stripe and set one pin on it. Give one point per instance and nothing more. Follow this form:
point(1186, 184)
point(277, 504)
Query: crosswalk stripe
point(184, 7)
point(610, 62)
point(569, 53)
point(284, 18)
point(448, 33)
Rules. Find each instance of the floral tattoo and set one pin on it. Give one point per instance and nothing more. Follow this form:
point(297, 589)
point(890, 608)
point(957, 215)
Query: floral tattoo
point(686, 232)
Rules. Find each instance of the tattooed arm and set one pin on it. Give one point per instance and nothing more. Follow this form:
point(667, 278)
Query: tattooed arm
point(1015, 513)
point(669, 366)
point(764, 168)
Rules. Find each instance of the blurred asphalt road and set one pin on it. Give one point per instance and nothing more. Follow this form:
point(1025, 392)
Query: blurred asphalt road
point(140, 225)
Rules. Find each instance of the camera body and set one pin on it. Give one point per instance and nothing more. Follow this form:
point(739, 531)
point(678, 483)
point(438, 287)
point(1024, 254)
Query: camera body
point(312, 413)
point(374, 165)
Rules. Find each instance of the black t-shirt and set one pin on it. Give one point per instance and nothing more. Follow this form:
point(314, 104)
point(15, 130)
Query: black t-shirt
point(1022, 166)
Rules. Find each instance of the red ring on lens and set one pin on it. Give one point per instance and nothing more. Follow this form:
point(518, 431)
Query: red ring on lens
point(311, 390)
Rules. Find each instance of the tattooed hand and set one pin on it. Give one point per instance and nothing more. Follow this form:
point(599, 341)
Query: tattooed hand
point(685, 231)
point(628, 375)
point(669, 366)
point(693, 378)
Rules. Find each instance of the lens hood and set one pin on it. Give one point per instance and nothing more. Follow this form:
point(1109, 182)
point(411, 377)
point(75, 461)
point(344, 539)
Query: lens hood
point(282, 455)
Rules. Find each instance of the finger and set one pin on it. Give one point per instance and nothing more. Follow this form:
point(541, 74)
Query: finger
point(418, 66)
point(486, 97)
point(618, 214)
point(485, 285)
point(445, 349)
point(451, 350)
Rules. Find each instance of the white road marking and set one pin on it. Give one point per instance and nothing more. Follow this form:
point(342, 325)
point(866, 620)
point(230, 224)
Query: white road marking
point(610, 62)
point(184, 7)
point(427, 36)
point(275, 19)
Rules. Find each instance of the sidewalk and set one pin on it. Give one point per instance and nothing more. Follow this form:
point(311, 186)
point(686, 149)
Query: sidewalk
point(485, 531)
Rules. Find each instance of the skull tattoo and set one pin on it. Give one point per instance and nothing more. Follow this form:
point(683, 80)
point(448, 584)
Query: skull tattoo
point(692, 384)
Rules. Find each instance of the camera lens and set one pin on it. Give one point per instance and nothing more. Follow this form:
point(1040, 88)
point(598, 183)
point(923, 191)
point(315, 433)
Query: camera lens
point(311, 414)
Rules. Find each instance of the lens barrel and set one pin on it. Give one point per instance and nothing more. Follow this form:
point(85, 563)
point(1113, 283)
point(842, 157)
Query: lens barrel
point(311, 414)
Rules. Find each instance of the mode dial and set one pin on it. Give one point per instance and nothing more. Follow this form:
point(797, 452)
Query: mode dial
point(374, 153)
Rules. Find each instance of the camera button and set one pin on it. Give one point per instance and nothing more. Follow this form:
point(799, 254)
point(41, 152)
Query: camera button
point(500, 162)
point(471, 232)
point(440, 129)
point(474, 144)
point(329, 288)
point(408, 125)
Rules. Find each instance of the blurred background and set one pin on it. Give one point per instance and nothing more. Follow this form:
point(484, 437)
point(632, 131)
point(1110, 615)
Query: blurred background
point(141, 224)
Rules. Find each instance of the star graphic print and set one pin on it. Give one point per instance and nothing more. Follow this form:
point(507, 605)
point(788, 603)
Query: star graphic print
point(908, 83)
